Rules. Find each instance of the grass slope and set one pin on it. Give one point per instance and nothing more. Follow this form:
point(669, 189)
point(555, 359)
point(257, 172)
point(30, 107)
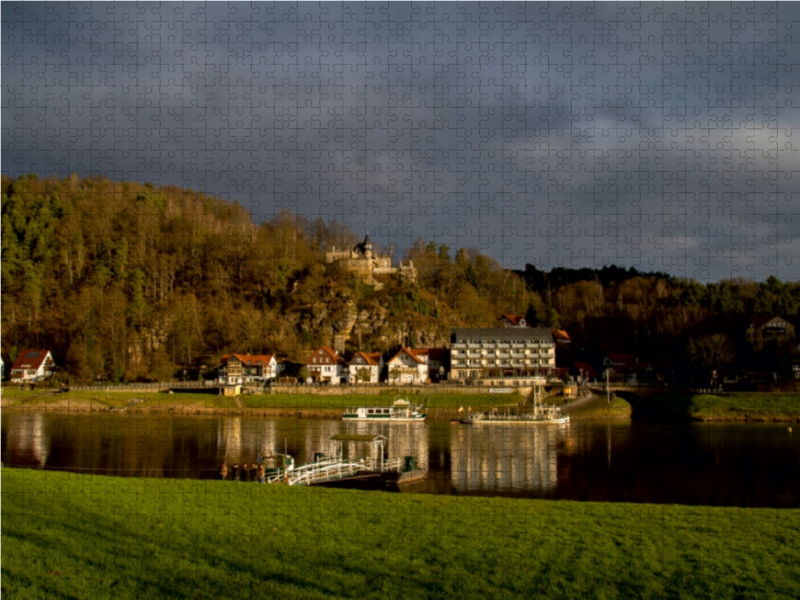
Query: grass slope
point(738, 406)
point(68, 536)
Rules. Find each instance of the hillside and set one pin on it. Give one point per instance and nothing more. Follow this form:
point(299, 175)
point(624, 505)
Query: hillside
point(129, 281)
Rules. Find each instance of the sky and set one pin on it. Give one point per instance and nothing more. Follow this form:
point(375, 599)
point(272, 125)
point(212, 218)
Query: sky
point(659, 136)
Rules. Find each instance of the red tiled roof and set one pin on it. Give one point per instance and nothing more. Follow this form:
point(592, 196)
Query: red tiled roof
point(30, 359)
point(330, 352)
point(586, 368)
point(560, 334)
point(627, 361)
point(372, 359)
point(764, 320)
point(514, 319)
point(408, 351)
point(249, 359)
point(622, 359)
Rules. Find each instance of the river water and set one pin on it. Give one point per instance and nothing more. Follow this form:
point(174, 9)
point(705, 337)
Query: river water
point(746, 465)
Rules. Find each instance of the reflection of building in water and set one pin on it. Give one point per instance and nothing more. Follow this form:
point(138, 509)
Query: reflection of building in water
point(504, 458)
point(242, 440)
point(27, 438)
point(403, 439)
point(317, 437)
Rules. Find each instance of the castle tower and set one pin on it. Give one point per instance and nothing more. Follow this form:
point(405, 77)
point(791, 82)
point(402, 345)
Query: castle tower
point(367, 244)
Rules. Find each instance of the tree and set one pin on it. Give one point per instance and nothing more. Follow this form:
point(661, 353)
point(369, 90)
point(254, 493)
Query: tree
point(711, 351)
point(363, 375)
point(552, 319)
point(394, 374)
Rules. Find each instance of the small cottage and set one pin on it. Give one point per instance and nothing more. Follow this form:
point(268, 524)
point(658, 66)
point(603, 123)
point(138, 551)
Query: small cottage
point(365, 368)
point(325, 365)
point(407, 367)
point(32, 366)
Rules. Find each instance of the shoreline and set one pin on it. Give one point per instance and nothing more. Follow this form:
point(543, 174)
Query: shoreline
point(85, 408)
point(620, 410)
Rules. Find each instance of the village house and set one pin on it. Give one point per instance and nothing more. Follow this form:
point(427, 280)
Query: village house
point(371, 365)
point(512, 321)
point(625, 367)
point(325, 365)
point(583, 371)
point(761, 331)
point(437, 360)
point(561, 338)
point(504, 352)
point(248, 368)
point(408, 367)
point(32, 366)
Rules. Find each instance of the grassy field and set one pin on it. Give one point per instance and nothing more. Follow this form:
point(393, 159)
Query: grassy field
point(289, 402)
point(741, 406)
point(618, 410)
point(82, 536)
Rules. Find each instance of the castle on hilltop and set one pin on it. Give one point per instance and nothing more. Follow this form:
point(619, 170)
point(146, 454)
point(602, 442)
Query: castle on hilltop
point(371, 269)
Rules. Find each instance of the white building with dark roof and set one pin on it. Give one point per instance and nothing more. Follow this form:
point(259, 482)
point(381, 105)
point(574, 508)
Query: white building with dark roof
point(509, 352)
point(32, 365)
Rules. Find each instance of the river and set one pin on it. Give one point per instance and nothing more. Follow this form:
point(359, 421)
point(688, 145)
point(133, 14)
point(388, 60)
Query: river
point(747, 465)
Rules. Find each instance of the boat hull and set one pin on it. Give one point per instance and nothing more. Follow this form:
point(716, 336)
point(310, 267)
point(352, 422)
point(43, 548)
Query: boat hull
point(558, 421)
point(385, 419)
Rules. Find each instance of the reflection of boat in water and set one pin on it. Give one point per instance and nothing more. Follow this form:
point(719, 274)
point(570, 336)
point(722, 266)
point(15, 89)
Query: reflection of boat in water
point(401, 410)
point(540, 414)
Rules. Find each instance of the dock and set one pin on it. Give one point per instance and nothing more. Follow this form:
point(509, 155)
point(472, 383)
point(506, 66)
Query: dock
point(338, 468)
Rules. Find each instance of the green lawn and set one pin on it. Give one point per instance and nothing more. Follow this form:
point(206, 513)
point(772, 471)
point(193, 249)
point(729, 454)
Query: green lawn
point(82, 536)
point(750, 406)
point(289, 402)
point(599, 408)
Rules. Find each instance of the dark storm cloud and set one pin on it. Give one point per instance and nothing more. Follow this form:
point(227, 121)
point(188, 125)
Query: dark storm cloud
point(661, 136)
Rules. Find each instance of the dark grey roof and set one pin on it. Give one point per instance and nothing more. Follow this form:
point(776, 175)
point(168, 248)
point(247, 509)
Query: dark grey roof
point(540, 334)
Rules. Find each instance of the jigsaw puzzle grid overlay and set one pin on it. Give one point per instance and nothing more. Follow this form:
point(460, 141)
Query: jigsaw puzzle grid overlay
point(660, 136)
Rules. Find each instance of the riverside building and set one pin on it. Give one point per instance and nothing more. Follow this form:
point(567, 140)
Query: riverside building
point(513, 355)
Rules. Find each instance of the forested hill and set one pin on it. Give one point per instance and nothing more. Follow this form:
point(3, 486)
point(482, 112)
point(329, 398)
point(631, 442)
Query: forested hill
point(127, 281)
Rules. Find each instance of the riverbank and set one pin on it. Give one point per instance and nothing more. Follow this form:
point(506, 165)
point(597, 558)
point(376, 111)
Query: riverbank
point(71, 535)
point(734, 407)
point(774, 407)
point(302, 406)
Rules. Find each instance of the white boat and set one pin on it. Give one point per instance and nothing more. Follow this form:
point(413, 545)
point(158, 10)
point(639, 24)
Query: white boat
point(400, 411)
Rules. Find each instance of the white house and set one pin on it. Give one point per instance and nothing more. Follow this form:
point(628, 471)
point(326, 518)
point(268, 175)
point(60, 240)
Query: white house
point(372, 362)
point(32, 365)
point(512, 321)
point(408, 367)
point(237, 369)
point(326, 366)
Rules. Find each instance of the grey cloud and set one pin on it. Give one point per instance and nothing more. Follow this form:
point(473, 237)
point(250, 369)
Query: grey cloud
point(545, 133)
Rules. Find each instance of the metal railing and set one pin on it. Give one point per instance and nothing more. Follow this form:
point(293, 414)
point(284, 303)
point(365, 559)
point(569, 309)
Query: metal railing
point(332, 469)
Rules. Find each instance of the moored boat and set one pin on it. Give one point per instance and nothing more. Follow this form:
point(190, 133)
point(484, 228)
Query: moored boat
point(401, 411)
point(540, 414)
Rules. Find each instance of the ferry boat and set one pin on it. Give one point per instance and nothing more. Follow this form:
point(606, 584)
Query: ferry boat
point(400, 411)
point(540, 414)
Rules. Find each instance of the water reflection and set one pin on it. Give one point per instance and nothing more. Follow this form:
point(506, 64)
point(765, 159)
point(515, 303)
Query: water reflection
point(505, 458)
point(709, 464)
